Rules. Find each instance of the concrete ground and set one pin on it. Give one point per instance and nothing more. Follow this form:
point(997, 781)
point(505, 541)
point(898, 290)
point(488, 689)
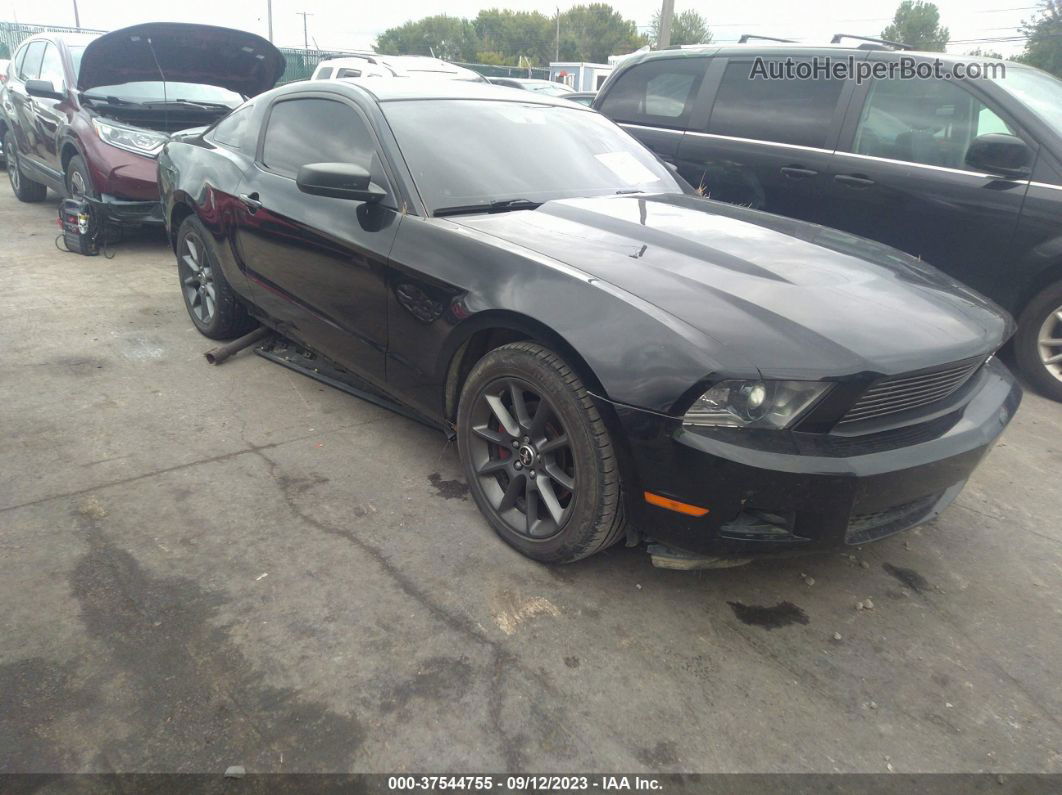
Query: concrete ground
point(204, 567)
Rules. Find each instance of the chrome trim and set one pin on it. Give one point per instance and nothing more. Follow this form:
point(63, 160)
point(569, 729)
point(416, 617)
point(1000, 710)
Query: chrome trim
point(626, 124)
point(925, 165)
point(755, 141)
point(1047, 185)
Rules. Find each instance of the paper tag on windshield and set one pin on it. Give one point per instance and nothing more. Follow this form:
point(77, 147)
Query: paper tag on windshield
point(625, 166)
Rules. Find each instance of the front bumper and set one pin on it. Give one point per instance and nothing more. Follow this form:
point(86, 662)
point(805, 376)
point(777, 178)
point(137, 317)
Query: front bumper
point(778, 493)
point(126, 213)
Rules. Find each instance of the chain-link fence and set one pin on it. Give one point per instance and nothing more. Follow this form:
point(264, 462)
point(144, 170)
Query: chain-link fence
point(300, 63)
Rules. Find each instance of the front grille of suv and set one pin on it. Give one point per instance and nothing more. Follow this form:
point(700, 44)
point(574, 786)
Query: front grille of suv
point(898, 393)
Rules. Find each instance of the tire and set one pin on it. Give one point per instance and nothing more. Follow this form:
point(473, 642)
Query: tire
point(1042, 321)
point(25, 189)
point(211, 302)
point(556, 496)
point(78, 179)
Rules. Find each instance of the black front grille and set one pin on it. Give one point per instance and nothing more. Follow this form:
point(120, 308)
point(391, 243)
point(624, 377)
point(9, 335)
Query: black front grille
point(898, 393)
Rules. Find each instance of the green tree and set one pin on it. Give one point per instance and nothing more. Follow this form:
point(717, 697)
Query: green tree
point(977, 52)
point(513, 35)
point(917, 24)
point(689, 27)
point(1043, 45)
point(595, 31)
point(449, 38)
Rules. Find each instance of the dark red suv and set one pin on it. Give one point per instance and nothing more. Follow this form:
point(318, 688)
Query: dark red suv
point(86, 114)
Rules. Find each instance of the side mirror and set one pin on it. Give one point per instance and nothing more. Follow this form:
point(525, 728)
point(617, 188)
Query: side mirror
point(44, 89)
point(338, 181)
point(1001, 154)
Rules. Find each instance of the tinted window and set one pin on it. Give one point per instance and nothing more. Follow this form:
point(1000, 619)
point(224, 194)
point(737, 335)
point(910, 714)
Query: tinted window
point(786, 111)
point(302, 131)
point(661, 91)
point(923, 121)
point(348, 73)
point(52, 67)
point(31, 62)
point(232, 131)
point(324, 74)
point(16, 64)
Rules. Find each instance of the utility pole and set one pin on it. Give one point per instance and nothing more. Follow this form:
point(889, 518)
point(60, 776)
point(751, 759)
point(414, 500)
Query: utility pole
point(558, 34)
point(269, 13)
point(305, 34)
point(77, 17)
point(663, 34)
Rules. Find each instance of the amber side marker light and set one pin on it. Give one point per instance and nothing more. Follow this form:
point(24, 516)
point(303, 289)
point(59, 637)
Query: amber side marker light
point(675, 505)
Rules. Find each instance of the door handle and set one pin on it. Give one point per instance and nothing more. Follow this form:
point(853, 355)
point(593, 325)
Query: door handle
point(251, 200)
point(796, 172)
point(854, 180)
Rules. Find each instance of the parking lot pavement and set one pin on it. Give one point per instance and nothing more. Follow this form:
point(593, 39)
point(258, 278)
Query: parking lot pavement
point(205, 567)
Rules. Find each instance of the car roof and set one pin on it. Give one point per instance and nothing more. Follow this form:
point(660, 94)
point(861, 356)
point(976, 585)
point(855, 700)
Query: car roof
point(786, 48)
point(69, 39)
point(412, 88)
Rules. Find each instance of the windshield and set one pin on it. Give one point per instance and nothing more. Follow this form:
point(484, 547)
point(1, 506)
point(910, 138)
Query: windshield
point(152, 91)
point(1038, 91)
point(472, 152)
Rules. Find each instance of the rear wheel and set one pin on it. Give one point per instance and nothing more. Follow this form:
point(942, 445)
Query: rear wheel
point(538, 458)
point(211, 303)
point(25, 188)
point(1038, 343)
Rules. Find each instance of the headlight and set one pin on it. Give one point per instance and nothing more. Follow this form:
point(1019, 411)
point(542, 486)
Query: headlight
point(754, 404)
point(132, 139)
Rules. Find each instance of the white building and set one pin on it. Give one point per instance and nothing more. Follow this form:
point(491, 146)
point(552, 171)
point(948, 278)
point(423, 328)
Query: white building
point(580, 76)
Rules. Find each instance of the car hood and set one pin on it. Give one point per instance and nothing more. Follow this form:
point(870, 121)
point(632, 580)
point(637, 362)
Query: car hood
point(185, 53)
point(789, 298)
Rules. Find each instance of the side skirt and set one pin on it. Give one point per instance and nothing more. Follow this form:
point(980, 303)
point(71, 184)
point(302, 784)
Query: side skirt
point(295, 357)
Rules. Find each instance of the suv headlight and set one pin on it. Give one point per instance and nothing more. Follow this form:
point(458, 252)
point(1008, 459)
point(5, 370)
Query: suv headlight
point(754, 404)
point(131, 139)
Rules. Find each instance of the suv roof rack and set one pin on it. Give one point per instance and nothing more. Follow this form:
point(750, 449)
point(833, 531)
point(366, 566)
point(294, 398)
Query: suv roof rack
point(882, 43)
point(745, 37)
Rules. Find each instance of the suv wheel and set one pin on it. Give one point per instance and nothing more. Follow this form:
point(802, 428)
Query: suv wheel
point(1038, 343)
point(537, 456)
point(25, 188)
point(211, 303)
point(78, 179)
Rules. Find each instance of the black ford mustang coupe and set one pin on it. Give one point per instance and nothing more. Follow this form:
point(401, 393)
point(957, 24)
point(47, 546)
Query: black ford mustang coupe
point(617, 356)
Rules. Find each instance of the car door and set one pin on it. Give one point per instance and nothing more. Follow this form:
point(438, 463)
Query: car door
point(48, 113)
point(21, 110)
point(765, 143)
point(654, 100)
point(317, 263)
point(900, 177)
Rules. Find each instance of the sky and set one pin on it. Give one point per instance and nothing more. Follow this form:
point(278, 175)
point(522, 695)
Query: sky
point(342, 24)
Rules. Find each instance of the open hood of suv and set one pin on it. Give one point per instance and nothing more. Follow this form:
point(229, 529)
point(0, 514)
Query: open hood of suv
point(185, 53)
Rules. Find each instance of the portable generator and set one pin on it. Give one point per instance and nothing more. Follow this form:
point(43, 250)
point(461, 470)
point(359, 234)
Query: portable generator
point(81, 229)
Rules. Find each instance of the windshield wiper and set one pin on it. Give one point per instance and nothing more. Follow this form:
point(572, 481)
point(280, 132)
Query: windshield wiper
point(110, 100)
point(189, 104)
point(500, 206)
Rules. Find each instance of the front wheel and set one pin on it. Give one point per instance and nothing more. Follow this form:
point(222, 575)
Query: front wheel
point(1038, 343)
point(209, 298)
point(538, 458)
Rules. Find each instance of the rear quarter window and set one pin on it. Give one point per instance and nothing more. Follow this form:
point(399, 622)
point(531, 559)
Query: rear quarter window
point(234, 131)
point(324, 73)
point(796, 112)
point(660, 92)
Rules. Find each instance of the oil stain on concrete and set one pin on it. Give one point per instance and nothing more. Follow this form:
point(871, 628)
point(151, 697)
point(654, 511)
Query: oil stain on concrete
point(448, 489)
point(782, 614)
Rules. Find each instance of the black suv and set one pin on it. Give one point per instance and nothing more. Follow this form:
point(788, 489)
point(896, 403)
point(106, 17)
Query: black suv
point(964, 173)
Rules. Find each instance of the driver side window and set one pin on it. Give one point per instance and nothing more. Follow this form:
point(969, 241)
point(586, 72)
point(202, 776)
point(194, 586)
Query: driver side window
point(923, 121)
point(303, 131)
point(52, 67)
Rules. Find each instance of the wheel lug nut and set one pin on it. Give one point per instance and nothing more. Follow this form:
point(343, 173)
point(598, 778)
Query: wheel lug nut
point(532, 474)
point(518, 465)
point(527, 439)
point(515, 444)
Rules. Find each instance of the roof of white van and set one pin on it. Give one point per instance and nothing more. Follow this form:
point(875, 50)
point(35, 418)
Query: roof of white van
point(404, 64)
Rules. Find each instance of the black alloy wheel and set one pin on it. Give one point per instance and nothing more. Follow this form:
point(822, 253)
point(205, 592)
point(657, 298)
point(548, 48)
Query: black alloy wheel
point(538, 458)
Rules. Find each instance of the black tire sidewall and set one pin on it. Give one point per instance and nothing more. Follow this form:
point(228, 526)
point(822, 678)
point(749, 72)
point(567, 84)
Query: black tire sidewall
point(230, 319)
point(77, 163)
point(1026, 341)
point(578, 532)
point(29, 190)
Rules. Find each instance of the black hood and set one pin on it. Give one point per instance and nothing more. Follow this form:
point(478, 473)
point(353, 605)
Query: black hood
point(790, 297)
point(184, 53)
